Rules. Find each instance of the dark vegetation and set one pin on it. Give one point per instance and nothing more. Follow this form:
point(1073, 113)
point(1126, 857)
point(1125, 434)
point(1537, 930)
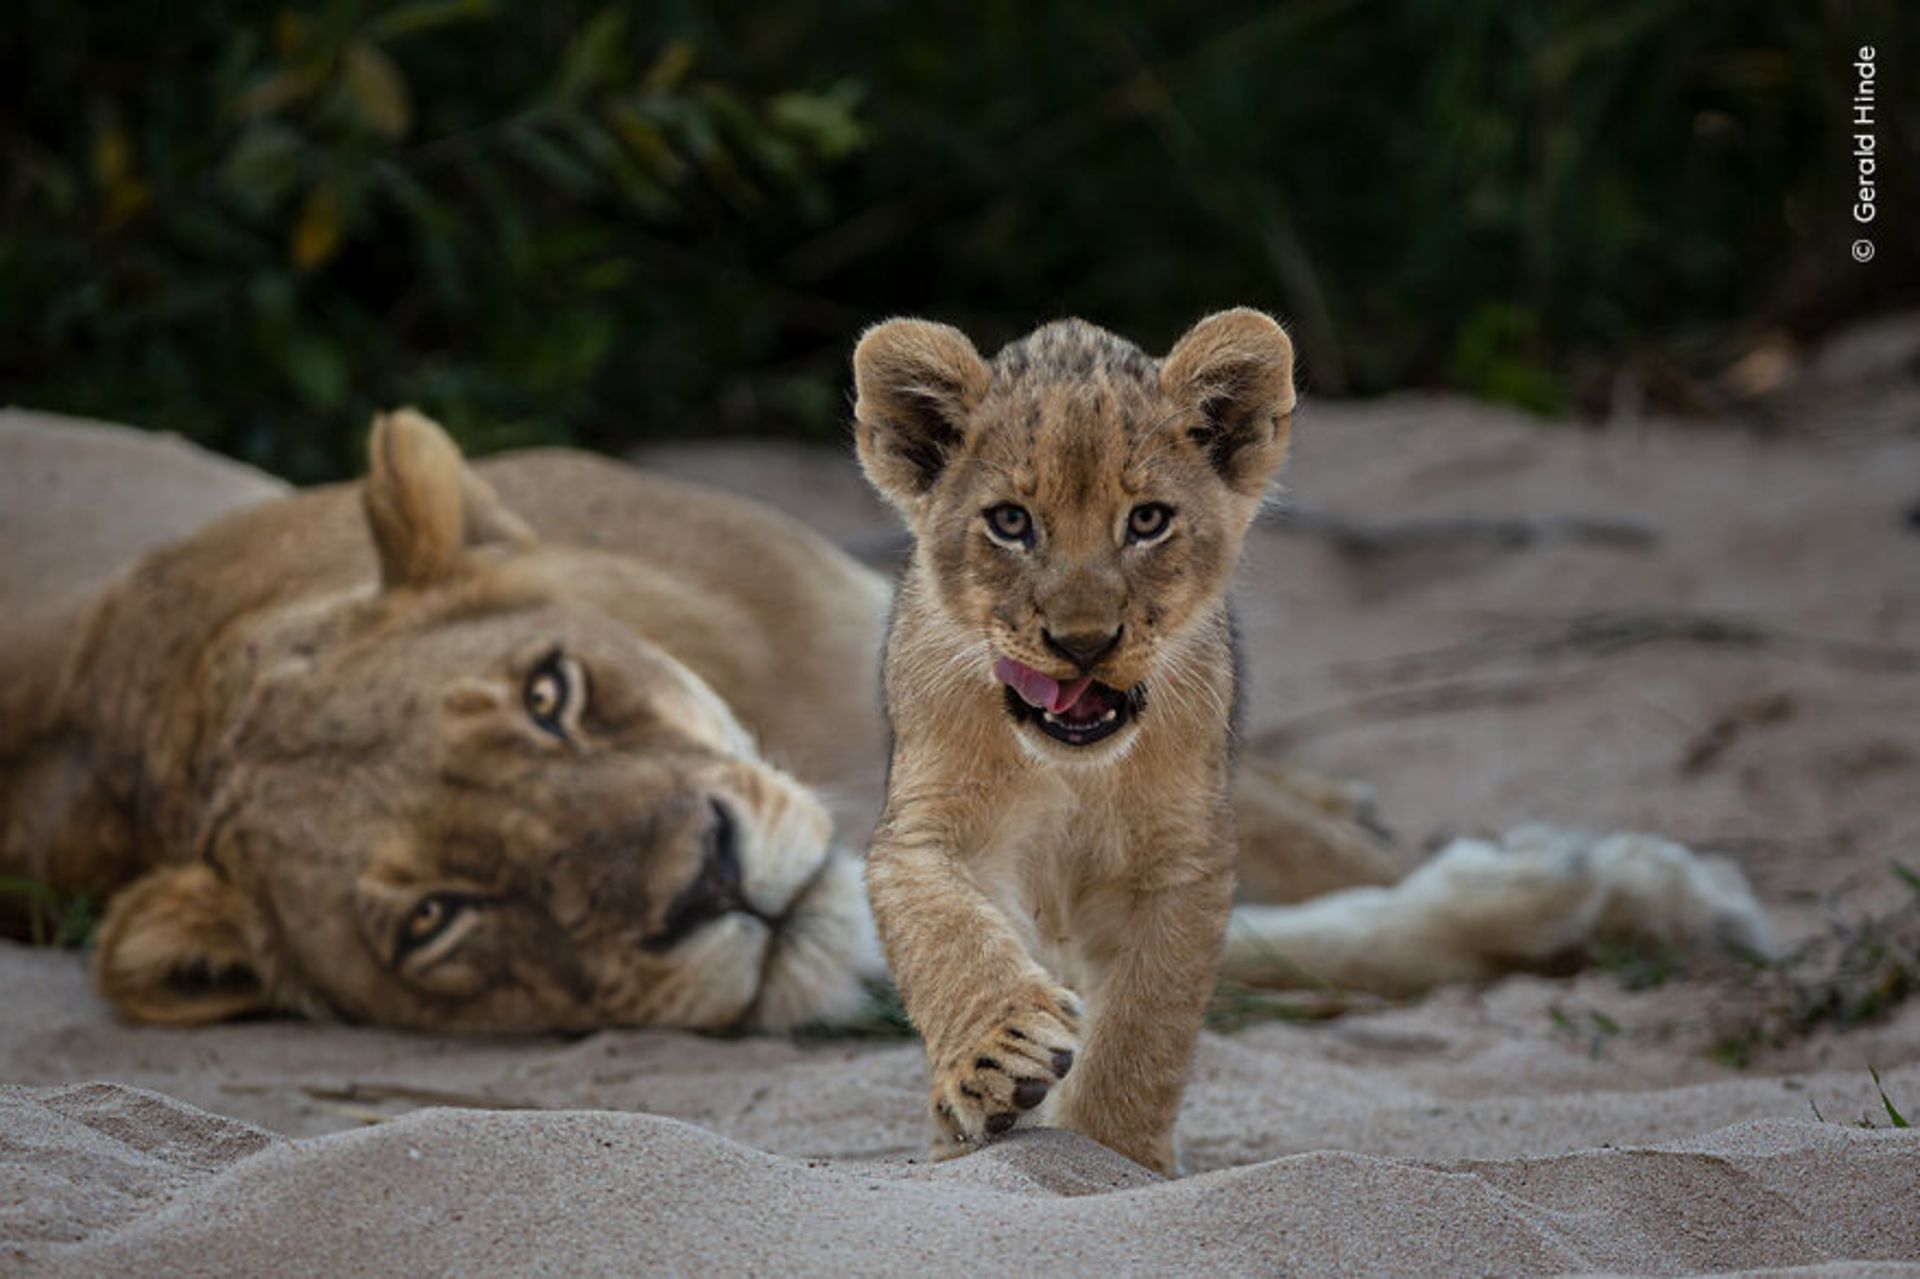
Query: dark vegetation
point(1856, 972)
point(565, 221)
point(52, 918)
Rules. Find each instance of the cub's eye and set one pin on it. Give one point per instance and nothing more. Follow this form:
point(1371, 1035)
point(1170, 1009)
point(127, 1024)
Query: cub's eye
point(1149, 522)
point(430, 917)
point(1010, 523)
point(551, 693)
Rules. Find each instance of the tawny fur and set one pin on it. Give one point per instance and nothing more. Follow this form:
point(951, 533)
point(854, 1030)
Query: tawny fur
point(271, 743)
point(243, 737)
point(1053, 914)
point(263, 727)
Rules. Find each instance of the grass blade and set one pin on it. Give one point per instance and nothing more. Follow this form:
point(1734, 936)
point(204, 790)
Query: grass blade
point(1899, 1120)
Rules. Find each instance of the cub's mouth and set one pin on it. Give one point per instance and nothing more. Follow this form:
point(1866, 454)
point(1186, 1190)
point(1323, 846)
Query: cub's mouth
point(1076, 712)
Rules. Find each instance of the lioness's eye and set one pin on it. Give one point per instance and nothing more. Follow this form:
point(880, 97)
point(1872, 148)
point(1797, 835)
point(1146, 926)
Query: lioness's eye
point(428, 919)
point(550, 692)
point(1149, 521)
point(1010, 523)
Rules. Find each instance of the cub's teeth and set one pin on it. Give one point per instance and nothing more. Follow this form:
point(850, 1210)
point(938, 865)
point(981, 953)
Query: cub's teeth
point(1050, 717)
point(1108, 717)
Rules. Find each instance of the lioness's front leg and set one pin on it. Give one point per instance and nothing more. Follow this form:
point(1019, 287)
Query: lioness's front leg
point(1156, 956)
point(999, 1031)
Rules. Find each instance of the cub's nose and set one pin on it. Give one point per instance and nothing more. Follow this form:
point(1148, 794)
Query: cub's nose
point(1082, 648)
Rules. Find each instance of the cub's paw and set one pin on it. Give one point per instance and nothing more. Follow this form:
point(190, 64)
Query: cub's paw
point(1007, 1069)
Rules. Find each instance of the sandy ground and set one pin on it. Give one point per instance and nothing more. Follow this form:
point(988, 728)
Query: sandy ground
point(1730, 657)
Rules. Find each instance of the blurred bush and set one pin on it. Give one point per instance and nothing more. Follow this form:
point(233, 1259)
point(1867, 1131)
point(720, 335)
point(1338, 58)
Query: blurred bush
point(547, 222)
point(252, 225)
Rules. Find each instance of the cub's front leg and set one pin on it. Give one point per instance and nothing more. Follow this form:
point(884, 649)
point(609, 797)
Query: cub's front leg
point(1155, 947)
point(1000, 1032)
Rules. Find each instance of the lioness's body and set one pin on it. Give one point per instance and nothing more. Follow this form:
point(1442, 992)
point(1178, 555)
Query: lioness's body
point(119, 714)
point(135, 678)
point(273, 731)
point(149, 592)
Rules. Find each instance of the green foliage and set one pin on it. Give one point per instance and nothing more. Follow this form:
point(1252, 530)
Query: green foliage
point(1894, 1117)
point(885, 1018)
point(255, 226)
point(1855, 975)
point(1236, 1006)
point(1587, 1026)
point(1637, 965)
point(599, 222)
point(53, 918)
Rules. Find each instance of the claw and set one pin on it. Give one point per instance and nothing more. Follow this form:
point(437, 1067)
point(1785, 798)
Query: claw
point(1029, 1093)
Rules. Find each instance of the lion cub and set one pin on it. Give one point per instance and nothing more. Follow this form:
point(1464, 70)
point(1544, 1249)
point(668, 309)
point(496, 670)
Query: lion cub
point(1053, 871)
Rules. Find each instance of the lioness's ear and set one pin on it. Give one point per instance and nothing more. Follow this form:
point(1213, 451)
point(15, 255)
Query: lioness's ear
point(1236, 368)
point(424, 505)
point(173, 950)
point(915, 382)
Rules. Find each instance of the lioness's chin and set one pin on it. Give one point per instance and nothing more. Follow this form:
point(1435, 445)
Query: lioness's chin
point(823, 957)
point(742, 972)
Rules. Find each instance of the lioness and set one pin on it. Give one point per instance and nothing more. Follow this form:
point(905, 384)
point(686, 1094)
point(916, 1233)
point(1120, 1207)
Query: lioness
point(1060, 677)
point(552, 742)
point(377, 752)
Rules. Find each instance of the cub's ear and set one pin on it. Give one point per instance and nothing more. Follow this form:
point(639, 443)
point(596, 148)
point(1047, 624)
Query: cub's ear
point(915, 382)
point(1236, 368)
point(173, 950)
point(424, 506)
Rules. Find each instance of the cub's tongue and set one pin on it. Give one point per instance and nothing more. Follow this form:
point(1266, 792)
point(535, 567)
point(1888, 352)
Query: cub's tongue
point(1042, 692)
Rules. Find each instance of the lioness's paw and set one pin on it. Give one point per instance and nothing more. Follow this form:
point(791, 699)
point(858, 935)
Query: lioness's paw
point(1006, 1070)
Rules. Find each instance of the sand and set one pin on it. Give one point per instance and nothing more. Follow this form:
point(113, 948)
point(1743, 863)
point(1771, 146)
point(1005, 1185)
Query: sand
point(1537, 1125)
point(599, 1192)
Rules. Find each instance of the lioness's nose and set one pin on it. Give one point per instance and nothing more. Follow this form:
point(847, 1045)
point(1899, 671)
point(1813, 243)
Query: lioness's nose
point(1082, 648)
point(719, 882)
point(715, 890)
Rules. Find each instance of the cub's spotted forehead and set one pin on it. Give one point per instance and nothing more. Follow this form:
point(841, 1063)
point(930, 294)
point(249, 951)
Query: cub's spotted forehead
point(1072, 408)
point(1076, 352)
